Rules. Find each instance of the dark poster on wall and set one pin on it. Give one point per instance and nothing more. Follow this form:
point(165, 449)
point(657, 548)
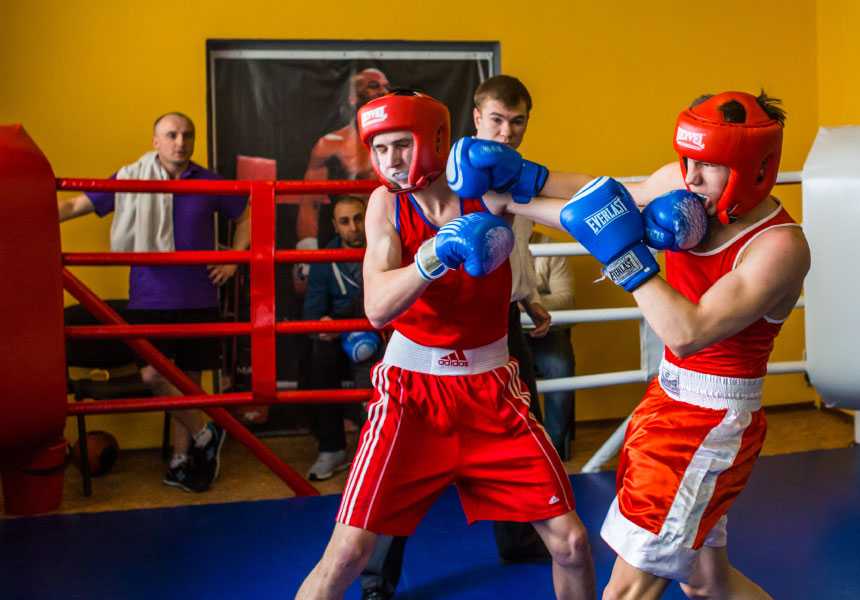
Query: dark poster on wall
point(286, 110)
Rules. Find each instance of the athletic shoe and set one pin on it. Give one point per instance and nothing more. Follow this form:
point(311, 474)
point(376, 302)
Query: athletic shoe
point(210, 454)
point(327, 464)
point(186, 476)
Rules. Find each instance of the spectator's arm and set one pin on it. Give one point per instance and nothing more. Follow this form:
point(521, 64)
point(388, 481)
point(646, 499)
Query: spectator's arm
point(219, 274)
point(242, 230)
point(76, 206)
point(560, 295)
point(540, 317)
point(317, 302)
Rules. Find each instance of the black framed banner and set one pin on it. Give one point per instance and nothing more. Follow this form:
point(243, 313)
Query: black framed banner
point(286, 110)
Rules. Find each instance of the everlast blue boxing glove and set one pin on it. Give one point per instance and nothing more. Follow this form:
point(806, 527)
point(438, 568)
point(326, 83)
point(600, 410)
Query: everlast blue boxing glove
point(480, 241)
point(675, 221)
point(603, 217)
point(360, 345)
point(477, 166)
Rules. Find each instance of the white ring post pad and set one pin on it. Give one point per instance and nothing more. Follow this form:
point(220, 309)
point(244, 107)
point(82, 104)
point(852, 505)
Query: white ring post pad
point(831, 220)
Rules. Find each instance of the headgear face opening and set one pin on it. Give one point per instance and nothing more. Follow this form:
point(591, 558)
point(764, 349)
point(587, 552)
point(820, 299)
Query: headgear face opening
point(428, 121)
point(751, 150)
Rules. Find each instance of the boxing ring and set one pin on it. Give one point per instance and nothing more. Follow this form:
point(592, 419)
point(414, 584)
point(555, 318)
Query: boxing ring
point(35, 408)
point(263, 327)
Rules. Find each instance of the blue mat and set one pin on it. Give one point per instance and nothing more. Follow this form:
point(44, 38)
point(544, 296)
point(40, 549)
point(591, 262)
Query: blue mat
point(795, 530)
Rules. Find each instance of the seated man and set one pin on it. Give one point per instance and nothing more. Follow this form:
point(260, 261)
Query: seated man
point(335, 291)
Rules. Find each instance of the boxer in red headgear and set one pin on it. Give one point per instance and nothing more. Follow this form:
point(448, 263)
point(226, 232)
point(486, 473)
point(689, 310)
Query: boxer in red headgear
point(691, 443)
point(735, 265)
point(448, 404)
point(430, 125)
point(750, 149)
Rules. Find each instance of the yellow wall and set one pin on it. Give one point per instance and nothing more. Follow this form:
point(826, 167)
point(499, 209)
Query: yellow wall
point(87, 77)
point(838, 62)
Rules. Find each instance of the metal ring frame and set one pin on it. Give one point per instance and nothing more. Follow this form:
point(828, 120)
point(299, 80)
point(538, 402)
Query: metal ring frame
point(263, 328)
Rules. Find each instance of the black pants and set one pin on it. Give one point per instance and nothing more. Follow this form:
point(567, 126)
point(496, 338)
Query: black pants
point(515, 541)
point(330, 369)
point(553, 358)
point(385, 565)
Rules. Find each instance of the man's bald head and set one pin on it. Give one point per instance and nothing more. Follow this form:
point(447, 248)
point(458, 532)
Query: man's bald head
point(177, 115)
point(173, 139)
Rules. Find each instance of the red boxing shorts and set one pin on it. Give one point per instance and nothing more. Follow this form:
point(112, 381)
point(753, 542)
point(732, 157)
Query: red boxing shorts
point(426, 431)
point(688, 452)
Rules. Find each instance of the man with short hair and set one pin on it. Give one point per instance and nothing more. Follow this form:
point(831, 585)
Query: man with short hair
point(448, 404)
point(692, 442)
point(502, 109)
point(173, 294)
point(335, 291)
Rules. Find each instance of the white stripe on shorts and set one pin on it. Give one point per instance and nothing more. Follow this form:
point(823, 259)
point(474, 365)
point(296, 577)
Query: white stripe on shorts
point(670, 554)
point(376, 414)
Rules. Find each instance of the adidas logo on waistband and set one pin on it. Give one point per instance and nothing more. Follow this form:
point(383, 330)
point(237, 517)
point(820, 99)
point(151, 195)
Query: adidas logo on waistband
point(456, 359)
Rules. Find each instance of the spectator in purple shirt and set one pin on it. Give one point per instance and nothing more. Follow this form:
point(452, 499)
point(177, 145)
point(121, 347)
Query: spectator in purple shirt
point(178, 294)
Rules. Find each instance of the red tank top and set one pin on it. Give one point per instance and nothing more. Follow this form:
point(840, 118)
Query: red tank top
point(456, 310)
point(746, 353)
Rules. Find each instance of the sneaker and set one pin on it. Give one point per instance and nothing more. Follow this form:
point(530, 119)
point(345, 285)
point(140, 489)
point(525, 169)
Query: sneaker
point(327, 464)
point(210, 454)
point(186, 476)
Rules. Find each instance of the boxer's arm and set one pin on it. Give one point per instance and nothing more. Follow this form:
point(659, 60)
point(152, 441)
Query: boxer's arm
point(545, 209)
point(541, 210)
point(666, 178)
point(564, 185)
point(768, 278)
point(389, 289)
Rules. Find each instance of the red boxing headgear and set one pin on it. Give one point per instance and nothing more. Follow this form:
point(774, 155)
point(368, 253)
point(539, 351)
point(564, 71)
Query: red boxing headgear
point(428, 121)
point(751, 150)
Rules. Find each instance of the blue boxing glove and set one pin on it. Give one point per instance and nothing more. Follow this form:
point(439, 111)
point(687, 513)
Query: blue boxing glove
point(477, 166)
point(675, 221)
point(360, 345)
point(603, 217)
point(480, 241)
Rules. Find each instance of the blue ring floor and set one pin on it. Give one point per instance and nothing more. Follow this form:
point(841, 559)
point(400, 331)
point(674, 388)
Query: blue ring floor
point(795, 530)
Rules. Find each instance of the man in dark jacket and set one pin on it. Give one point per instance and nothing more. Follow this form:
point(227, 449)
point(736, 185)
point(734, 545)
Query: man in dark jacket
point(335, 291)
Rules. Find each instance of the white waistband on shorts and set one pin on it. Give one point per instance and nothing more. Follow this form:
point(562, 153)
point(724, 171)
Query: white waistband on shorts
point(710, 391)
point(406, 354)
